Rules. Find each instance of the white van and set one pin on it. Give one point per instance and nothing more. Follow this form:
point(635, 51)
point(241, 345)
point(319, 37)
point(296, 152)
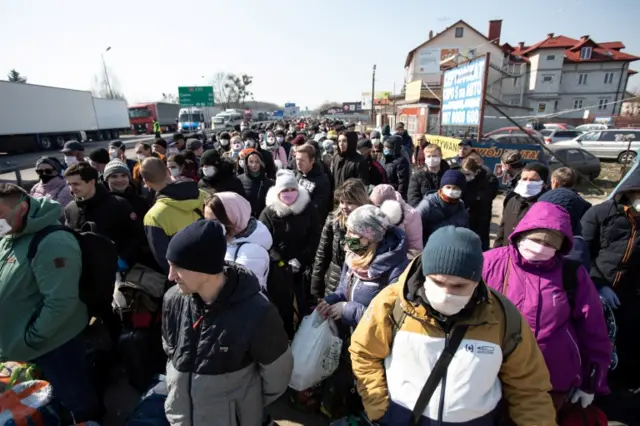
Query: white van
point(225, 121)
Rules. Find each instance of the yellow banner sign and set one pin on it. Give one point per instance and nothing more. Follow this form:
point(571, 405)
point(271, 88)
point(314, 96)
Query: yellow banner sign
point(449, 146)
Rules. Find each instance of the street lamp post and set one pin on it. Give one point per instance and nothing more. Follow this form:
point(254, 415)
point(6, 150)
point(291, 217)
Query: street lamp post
point(106, 74)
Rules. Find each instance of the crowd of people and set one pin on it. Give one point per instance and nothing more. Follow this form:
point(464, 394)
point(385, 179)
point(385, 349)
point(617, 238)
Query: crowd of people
point(258, 227)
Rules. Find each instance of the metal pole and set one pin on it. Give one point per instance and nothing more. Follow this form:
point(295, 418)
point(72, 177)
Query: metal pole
point(373, 94)
point(106, 74)
point(487, 58)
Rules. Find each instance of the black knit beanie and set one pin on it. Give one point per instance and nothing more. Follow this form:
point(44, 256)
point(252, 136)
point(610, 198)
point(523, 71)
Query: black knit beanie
point(199, 247)
point(453, 251)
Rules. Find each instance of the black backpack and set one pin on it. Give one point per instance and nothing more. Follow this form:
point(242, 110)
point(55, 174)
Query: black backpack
point(99, 264)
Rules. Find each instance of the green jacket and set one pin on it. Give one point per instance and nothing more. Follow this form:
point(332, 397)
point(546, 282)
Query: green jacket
point(39, 300)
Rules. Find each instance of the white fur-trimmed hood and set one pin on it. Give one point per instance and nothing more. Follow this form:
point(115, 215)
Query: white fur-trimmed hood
point(281, 209)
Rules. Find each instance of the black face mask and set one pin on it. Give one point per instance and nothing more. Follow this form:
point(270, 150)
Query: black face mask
point(46, 178)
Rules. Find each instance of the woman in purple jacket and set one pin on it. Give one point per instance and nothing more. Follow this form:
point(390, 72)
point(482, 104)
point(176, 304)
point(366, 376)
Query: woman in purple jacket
point(573, 339)
point(52, 184)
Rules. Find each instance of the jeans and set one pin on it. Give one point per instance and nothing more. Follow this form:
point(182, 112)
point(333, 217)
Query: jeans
point(67, 369)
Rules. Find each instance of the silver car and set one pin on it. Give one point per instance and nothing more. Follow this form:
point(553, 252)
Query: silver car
point(557, 135)
point(615, 144)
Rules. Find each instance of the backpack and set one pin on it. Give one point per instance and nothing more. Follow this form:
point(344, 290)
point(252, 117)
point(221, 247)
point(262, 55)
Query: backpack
point(99, 264)
point(512, 330)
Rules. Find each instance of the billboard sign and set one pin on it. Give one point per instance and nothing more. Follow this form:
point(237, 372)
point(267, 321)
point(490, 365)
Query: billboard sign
point(463, 94)
point(352, 106)
point(413, 91)
point(428, 61)
point(196, 96)
point(289, 105)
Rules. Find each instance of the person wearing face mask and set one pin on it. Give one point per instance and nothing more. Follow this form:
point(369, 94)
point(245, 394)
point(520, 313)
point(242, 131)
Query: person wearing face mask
point(293, 221)
point(570, 329)
point(376, 255)
point(610, 230)
point(445, 207)
point(465, 147)
point(51, 184)
point(43, 316)
point(281, 140)
point(530, 187)
point(400, 214)
point(427, 178)
point(482, 188)
point(217, 174)
point(195, 146)
point(398, 341)
point(73, 153)
point(396, 165)
point(117, 150)
point(255, 181)
point(250, 139)
point(377, 173)
point(223, 143)
point(181, 169)
point(330, 255)
point(98, 158)
point(272, 145)
point(233, 153)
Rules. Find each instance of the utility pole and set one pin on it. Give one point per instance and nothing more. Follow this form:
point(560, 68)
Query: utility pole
point(373, 95)
point(106, 74)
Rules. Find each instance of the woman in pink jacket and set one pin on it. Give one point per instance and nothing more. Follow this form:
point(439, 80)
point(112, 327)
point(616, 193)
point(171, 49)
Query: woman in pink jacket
point(400, 214)
point(52, 184)
point(269, 143)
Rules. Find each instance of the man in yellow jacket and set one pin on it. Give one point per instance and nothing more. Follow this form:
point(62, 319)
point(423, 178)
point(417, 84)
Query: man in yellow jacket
point(497, 358)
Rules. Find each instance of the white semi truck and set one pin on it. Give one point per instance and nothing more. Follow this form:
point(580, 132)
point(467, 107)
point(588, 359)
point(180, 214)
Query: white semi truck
point(34, 118)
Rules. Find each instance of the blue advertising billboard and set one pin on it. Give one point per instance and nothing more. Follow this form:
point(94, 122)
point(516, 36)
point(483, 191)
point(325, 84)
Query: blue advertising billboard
point(462, 94)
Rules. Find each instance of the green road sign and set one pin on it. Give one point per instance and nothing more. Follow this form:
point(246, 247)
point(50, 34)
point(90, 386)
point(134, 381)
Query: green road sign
point(196, 96)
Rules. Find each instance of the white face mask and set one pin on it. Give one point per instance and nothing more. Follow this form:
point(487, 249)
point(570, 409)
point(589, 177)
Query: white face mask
point(452, 193)
point(443, 302)
point(636, 205)
point(224, 142)
point(175, 172)
point(70, 160)
point(280, 139)
point(375, 141)
point(432, 161)
point(141, 157)
point(528, 189)
point(209, 171)
point(5, 228)
point(271, 141)
point(113, 154)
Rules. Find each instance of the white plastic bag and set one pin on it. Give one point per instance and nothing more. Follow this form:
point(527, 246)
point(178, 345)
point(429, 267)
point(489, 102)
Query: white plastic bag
point(316, 352)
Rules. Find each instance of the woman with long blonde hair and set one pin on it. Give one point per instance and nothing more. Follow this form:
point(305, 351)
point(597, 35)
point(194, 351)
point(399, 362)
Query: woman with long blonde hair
point(376, 255)
point(330, 254)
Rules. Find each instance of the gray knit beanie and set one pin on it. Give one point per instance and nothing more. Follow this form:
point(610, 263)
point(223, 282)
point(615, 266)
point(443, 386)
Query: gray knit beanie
point(369, 222)
point(115, 166)
point(453, 251)
point(285, 179)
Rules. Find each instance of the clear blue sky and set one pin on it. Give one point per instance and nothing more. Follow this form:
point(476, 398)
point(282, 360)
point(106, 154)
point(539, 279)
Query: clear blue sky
point(304, 51)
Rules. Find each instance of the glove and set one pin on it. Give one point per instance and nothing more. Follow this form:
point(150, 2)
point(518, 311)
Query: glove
point(610, 297)
point(122, 265)
point(585, 398)
point(335, 311)
point(295, 265)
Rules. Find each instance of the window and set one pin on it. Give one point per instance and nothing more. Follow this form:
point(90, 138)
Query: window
point(547, 78)
point(577, 103)
point(555, 105)
point(582, 78)
point(459, 32)
point(585, 53)
point(542, 106)
point(472, 53)
point(551, 57)
point(412, 124)
point(516, 82)
point(602, 103)
point(608, 78)
point(574, 156)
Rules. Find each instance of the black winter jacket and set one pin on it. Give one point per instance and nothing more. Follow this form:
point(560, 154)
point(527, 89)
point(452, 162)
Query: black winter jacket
point(512, 214)
point(330, 257)
point(295, 229)
point(397, 167)
point(224, 180)
point(316, 182)
point(255, 189)
point(270, 165)
point(349, 164)
point(423, 182)
point(611, 232)
point(114, 217)
point(478, 198)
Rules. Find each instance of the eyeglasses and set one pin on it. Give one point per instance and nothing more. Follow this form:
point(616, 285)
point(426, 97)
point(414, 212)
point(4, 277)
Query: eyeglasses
point(45, 172)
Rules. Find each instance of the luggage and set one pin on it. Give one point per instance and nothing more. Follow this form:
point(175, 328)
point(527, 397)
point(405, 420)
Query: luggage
point(142, 355)
point(29, 404)
point(150, 409)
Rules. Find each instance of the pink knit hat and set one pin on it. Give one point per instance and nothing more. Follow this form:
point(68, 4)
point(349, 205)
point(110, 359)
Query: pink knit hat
point(382, 193)
point(238, 209)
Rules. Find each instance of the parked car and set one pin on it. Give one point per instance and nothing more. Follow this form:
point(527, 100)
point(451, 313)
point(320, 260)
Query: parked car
point(510, 131)
point(553, 136)
point(516, 138)
point(558, 126)
point(608, 144)
point(594, 126)
point(577, 158)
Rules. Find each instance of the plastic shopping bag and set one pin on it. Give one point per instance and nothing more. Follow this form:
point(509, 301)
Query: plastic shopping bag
point(316, 352)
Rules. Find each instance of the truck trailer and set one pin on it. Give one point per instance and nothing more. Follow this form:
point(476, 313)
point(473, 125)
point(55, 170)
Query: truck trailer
point(141, 117)
point(34, 118)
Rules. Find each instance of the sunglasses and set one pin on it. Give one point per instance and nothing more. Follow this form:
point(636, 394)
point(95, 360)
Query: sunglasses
point(45, 172)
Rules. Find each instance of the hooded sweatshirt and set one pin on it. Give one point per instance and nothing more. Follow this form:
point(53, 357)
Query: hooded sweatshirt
point(177, 205)
point(39, 300)
point(397, 166)
point(224, 179)
point(349, 164)
point(574, 341)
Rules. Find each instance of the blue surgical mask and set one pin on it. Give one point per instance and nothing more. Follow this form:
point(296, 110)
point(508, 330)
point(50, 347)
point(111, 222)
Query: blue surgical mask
point(387, 151)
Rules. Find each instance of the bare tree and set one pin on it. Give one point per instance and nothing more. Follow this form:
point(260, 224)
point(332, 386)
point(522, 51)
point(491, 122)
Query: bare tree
point(239, 88)
point(107, 86)
point(170, 98)
point(16, 77)
point(328, 104)
point(221, 89)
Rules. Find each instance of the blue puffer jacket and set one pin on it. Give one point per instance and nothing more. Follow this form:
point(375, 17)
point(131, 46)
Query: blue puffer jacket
point(387, 266)
point(435, 214)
